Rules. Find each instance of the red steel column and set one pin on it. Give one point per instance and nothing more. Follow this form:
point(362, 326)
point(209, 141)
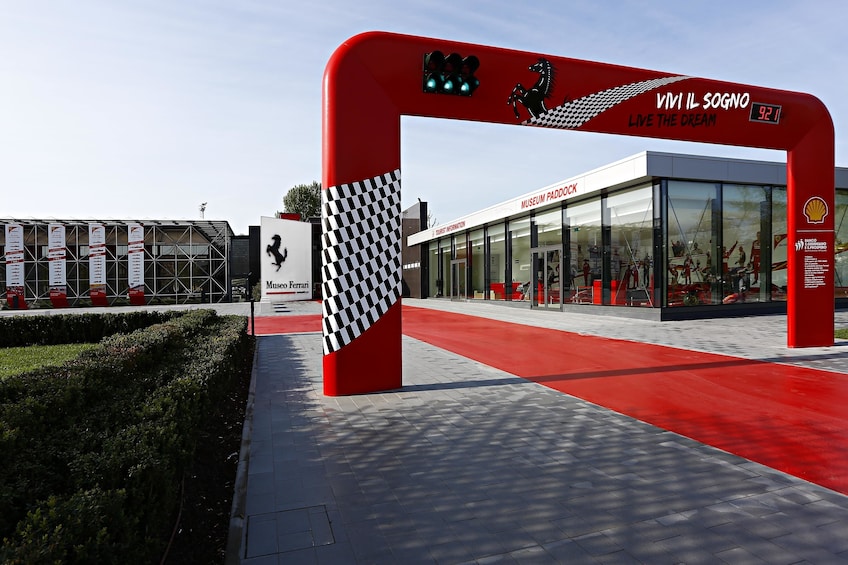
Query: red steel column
point(811, 254)
point(361, 237)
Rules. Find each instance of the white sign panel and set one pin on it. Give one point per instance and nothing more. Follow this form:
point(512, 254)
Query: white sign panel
point(96, 254)
point(286, 251)
point(135, 256)
point(14, 255)
point(56, 255)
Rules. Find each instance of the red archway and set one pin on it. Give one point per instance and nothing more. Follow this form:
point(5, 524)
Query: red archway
point(375, 78)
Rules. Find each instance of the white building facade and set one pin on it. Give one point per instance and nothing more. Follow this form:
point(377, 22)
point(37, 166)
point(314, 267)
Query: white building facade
point(656, 235)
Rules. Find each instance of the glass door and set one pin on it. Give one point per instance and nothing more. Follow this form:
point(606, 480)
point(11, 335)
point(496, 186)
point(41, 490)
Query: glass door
point(545, 287)
point(458, 288)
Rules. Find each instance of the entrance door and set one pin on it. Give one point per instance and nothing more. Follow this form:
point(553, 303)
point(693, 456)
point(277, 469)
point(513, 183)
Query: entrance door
point(458, 280)
point(545, 289)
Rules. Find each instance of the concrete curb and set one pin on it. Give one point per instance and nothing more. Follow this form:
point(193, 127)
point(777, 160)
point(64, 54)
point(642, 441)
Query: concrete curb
point(235, 538)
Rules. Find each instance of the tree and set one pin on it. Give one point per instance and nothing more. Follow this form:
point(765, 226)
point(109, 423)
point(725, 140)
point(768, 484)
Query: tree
point(304, 199)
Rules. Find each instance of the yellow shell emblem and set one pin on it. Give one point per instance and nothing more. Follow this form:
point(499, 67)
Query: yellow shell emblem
point(815, 210)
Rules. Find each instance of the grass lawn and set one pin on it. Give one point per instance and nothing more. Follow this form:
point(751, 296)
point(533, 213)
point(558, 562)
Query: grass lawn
point(841, 334)
point(16, 360)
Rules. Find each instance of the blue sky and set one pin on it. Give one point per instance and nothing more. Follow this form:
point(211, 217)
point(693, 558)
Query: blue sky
point(145, 109)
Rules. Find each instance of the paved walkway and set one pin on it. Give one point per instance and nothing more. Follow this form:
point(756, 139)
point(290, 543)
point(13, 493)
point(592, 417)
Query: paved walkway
point(470, 464)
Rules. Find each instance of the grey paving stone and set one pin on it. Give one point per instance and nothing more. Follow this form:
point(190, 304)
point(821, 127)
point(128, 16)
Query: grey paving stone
point(468, 464)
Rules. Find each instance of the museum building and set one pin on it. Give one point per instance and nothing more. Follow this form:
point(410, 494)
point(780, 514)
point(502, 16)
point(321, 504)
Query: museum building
point(655, 235)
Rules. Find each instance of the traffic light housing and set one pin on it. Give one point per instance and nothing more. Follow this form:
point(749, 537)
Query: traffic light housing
point(453, 74)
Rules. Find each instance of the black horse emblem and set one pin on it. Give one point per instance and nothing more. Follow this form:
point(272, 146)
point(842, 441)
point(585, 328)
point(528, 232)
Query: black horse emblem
point(274, 249)
point(533, 99)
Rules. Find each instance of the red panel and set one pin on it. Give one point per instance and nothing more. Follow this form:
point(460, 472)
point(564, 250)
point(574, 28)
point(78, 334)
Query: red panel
point(361, 124)
point(98, 298)
point(811, 247)
point(137, 297)
point(58, 299)
point(15, 298)
point(370, 363)
point(789, 418)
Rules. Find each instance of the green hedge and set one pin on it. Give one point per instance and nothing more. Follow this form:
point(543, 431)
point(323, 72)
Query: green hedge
point(96, 449)
point(17, 331)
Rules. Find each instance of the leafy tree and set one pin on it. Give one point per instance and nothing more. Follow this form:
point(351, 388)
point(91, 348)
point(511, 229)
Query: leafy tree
point(304, 199)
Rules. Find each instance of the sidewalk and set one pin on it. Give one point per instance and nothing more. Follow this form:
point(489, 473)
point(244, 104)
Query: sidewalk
point(470, 464)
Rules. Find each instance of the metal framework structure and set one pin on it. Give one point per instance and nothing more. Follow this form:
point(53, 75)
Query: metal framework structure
point(184, 260)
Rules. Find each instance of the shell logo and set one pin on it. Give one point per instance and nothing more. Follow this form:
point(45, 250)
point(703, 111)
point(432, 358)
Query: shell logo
point(815, 210)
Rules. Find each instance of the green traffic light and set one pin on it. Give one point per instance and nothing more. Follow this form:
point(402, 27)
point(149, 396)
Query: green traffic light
point(450, 74)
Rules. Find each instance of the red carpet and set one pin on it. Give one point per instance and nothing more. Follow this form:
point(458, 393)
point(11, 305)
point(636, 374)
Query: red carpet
point(269, 325)
point(788, 418)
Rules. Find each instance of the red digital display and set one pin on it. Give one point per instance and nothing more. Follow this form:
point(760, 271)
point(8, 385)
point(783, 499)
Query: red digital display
point(769, 113)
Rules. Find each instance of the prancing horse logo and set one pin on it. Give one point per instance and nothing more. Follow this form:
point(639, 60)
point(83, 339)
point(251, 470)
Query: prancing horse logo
point(533, 98)
point(274, 249)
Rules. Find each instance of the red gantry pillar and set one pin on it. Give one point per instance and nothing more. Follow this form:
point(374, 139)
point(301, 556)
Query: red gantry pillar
point(361, 213)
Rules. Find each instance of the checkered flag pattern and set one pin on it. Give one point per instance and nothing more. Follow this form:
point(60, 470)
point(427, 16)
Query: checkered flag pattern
point(574, 114)
point(361, 256)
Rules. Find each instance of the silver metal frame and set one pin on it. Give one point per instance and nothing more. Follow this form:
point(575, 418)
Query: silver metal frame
point(184, 261)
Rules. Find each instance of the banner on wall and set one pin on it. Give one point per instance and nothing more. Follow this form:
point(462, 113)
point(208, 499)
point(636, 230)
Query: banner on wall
point(56, 267)
point(135, 263)
point(97, 264)
point(15, 296)
point(286, 260)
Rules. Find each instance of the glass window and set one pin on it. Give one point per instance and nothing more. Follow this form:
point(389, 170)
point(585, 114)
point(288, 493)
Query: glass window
point(519, 237)
point(548, 232)
point(631, 217)
point(840, 229)
point(444, 274)
point(497, 261)
point(459, 267)
point(477, 264)
point(779, 241)
point(460, 248)
point(690, 268)
point(584, 224)
point(434, 281)
point(549, 227)
point(743, 208)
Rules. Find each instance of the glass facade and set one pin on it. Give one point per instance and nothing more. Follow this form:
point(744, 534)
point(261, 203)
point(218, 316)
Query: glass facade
point(670, 244)
point(434, 283)
point(519, 240)
point(630, 216)
point(546, 291)
point(496, 243)
point(774, 256)
point(459, 267)
point(744, 210)
point(477, 264)
point(691, 275)
point(841, 237)
point(445, 255)
point(583, 222)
